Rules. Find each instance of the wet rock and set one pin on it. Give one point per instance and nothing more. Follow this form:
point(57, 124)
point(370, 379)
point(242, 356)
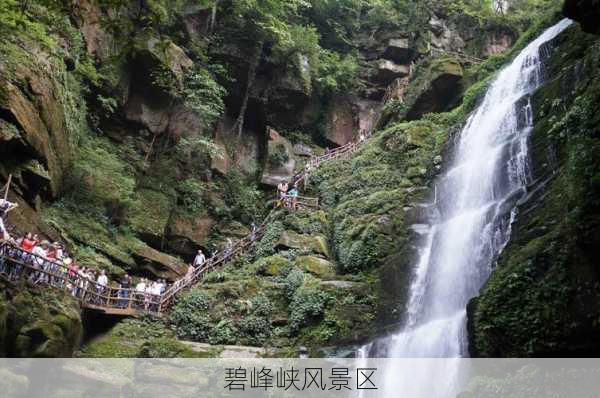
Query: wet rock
point(183, 122)
point(397, 89)
point(247, 148)
point(154, 51)
point(151, 114)
point(303, 150)
point(445, 37)
point(90, 17)
point(234, 229)
point(498, 43)
point(338, 284)
point(39, 127)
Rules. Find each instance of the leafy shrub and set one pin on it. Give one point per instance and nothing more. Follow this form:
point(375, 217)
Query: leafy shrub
point(204, 95)
point(337, 73)
point(223, 332)
point(189, 316)
point(308, 305)
point(293, 281)
point(265, 246)
point(279, 156)
point(190, 195)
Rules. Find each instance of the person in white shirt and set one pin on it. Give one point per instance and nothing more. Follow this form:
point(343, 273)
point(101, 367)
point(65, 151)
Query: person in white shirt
point(200, 259)
point(140, 290)
point(39, 259)
point(102, 281)
point(5, 207)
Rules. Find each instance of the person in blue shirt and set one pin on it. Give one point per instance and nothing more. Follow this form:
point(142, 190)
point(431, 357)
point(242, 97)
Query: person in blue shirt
point(293, 194)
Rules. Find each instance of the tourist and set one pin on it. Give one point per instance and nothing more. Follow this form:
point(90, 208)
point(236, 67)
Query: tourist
point(5, 207)
point(28, 243)
point(101, 283)
point(253, 232)
point(124, 286)
point(140, 290)
point(60, 255)
point(280, 191)
point(293, 194)
point(228, 247)
point(190, 272)
point(39, 260)
point(362, 137)
point(199, 259)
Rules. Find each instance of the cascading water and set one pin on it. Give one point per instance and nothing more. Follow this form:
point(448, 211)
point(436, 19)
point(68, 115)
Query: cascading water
point(470, 224)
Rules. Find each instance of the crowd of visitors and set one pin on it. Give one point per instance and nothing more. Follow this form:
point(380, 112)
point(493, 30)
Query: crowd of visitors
point(44, 262)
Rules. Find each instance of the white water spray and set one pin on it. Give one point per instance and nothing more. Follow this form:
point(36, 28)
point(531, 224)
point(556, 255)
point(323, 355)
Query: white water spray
point(474, 207)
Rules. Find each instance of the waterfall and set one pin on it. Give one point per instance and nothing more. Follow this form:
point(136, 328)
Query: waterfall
point(474, 206)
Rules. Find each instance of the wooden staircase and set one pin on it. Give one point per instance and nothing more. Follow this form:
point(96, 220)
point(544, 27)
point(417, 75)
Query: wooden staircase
point(22, 267)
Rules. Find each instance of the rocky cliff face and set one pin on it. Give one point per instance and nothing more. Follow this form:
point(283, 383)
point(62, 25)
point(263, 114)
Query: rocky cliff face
point(139, 135)
point(542, 300)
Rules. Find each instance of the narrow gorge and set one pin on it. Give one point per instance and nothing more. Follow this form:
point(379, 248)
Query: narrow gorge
point(462, 222)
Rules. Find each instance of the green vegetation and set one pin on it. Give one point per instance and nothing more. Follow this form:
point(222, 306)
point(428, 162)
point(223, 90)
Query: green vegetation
point(137, 153)
point(535, 303)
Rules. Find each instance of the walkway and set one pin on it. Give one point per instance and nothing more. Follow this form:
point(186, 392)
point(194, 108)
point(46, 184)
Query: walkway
point(20, 266)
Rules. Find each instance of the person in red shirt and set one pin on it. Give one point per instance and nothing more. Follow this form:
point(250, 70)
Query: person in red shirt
point(28, 242)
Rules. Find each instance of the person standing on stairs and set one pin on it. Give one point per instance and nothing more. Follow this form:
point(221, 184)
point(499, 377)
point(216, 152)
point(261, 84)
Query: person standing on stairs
point(199, 260)
point(293, 194)
point(228, 247)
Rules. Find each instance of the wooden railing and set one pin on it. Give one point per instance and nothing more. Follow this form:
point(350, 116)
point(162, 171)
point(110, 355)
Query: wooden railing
point(19, 265)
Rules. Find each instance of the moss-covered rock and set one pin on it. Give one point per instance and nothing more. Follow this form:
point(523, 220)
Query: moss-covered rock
point(150, 216)
point(273, 265)
point(40, 324)
point(543, 298)
point(306, 243)
point(139, 339)
point(316, 266)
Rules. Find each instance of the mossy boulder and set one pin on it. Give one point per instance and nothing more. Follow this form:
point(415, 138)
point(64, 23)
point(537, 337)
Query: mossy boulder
point(41, 324)
point(316, 266)
point(273, 265)
point(312, 222)
point(307, 243)
point(133, 338)
point(158, 263)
